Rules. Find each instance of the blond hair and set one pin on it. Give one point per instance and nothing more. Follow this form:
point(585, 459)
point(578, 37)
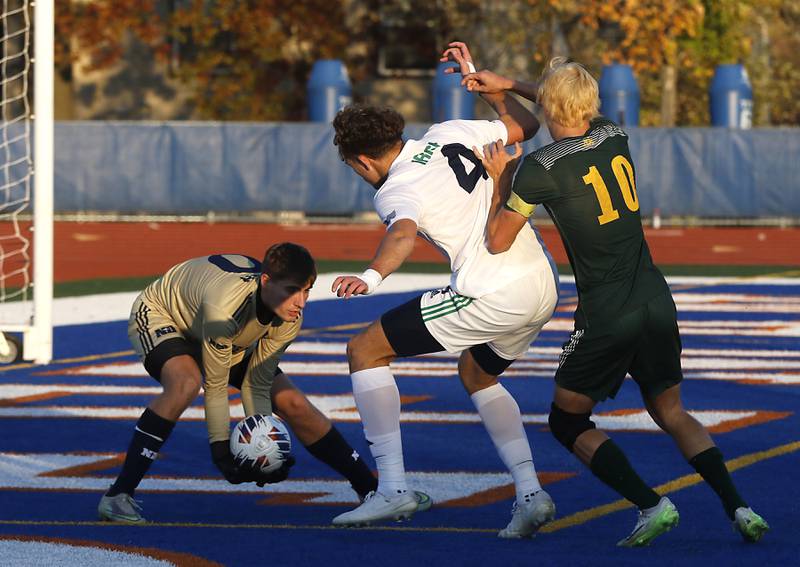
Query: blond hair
point(568, 93)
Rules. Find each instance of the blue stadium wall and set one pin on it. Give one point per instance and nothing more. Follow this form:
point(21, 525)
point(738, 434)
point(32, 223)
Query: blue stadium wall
point(194, 168)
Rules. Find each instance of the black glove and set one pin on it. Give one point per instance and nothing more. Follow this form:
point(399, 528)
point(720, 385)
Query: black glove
point(223, 459)
point(275, 476)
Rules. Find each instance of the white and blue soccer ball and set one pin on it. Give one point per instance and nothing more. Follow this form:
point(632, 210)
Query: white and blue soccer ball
point(260, 442)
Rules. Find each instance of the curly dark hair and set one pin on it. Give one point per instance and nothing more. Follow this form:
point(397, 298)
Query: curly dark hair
point(289, 261)
point(363, 129)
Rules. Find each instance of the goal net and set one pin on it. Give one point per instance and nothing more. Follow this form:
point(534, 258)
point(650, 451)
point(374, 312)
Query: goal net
point(26, 178)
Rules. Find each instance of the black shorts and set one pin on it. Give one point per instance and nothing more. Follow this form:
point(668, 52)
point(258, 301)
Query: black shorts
point(156, 358)
point(408, 336)
point(645, 343)
point(239, 370)
point(170, 348)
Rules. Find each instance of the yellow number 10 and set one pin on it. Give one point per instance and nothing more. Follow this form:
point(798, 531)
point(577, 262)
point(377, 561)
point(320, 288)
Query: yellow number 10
point(623, 171)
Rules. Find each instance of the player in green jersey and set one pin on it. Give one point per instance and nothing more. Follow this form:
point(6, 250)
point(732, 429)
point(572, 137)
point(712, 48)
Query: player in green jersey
point(625, 321)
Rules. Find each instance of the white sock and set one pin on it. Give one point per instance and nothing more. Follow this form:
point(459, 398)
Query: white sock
point(500, 415)
point(378, 401)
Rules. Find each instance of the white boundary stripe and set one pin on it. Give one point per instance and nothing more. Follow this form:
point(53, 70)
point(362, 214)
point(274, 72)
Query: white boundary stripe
point(447, 368)
point(116, 306)
point(693, 297)
point(337, 347)
point(636, 420)
point(24, 471)
point(737, 307)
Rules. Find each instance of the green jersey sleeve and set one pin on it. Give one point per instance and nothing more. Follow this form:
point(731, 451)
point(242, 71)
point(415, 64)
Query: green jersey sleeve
point(532, 185)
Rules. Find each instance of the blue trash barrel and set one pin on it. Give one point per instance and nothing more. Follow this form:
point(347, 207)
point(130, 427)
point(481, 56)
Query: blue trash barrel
point(328, 90)
point(619, 95)
point(451, 101)
point(731, 97)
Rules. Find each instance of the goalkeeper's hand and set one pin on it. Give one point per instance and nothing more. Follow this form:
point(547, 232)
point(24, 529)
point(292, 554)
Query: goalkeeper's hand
point(223, 459)
point(275, 476)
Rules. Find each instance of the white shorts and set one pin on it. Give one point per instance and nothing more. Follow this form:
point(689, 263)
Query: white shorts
point(507, 320)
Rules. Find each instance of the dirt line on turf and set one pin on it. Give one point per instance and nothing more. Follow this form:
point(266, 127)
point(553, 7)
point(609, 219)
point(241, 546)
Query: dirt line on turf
point(88, 358)
point(345, 327)
point(440, 529)
point(566, 522)
point(672, 486)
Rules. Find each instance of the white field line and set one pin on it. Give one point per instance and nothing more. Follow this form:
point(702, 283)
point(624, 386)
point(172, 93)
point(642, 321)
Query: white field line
point(338, 347)
point(635, 420)
point(116, 306)
point(731, 369)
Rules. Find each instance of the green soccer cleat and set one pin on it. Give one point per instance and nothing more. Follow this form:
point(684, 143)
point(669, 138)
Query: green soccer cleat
point(121, 508)
point(750, 525)
point(652, 523)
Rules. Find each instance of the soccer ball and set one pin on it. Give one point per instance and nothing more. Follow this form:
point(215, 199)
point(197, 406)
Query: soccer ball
point(260, 442)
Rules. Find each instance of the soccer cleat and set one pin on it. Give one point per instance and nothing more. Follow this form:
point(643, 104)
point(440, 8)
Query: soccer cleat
point(377, 507)
point(652, 523)
point(121, 508)
point(529, 516)
point(749, 524)
point(424, 501)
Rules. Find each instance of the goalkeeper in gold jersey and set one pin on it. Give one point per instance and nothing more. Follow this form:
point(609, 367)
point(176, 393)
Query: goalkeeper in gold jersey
point(217, 321)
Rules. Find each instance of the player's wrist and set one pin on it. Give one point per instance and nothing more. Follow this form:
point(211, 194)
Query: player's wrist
point(220, 451)
point(471, 67)
point(372, 278)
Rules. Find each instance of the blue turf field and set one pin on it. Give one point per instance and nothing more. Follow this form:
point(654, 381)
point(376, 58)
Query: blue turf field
point(64, 426)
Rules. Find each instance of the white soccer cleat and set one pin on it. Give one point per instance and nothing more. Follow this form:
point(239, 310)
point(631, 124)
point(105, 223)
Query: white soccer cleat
point(377, 507)
point(529, 516)
point(121, 508)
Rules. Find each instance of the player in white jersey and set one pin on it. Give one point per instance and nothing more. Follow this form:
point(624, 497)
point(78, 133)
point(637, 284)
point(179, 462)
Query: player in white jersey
point(493, 308)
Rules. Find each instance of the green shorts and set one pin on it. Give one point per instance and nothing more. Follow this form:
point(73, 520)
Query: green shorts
point(644, 342)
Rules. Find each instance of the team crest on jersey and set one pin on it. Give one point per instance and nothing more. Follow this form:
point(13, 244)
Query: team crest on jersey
point(425, 155)
point(165, 331)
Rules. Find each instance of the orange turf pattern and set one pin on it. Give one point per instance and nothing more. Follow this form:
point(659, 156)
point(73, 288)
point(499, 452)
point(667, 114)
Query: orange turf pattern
point(86, 250)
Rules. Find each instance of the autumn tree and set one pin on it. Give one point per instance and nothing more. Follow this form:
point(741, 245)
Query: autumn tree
point(249, 59)
point(243, 60)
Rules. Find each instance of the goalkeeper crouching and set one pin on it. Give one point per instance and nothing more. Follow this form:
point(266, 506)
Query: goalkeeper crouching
point(220, 321)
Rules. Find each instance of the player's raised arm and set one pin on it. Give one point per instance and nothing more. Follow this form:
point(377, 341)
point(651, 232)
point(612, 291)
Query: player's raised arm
point(486, 81)
point(519, 121)
point(396, 245)
point(503, 224)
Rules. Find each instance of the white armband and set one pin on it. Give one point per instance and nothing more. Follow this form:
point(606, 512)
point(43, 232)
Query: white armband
point(372, 278)
point(471, 67)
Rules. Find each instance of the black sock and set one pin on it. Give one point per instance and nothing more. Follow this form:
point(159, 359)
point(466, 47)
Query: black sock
point(337, 453)
point(711, 466)
point(610, 465)
point(151, 432)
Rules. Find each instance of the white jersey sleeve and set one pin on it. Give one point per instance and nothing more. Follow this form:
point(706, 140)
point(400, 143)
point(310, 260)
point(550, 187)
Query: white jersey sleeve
point(396, 201)
point(480, 132)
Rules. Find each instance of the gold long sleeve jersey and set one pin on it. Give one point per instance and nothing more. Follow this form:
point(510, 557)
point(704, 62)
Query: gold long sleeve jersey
point(213, 302)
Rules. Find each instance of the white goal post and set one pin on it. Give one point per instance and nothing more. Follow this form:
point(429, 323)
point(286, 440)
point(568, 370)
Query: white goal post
point(23, 170)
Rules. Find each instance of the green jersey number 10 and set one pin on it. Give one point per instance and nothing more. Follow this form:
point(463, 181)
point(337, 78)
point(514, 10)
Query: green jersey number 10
point(623, 172)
